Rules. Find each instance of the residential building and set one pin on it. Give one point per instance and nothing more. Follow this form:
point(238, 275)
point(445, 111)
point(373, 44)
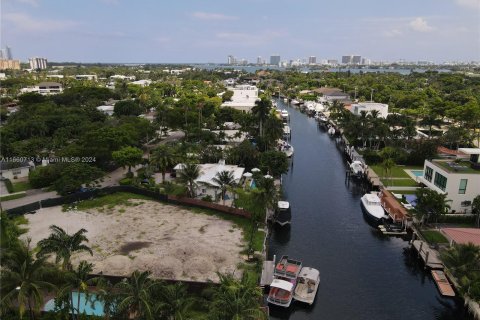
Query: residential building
point(92, 77)
point(15, 170)
point(244, 98)
point(312, 60)
point(37, 63)
point(107, 109)
point(368, 107)
point(122, 77)
point(275, 60)
point(332, 62)
point(45, 88)
point(6, 53)
point(9, 64)
point(458, 178)
point(332, 94)
point(142, 83)
point(232, 137)
point(259, 60)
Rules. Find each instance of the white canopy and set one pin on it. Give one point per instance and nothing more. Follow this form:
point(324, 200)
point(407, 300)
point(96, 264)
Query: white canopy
point(282, 284)
point(255, 170)
point(247, 174)
point(283, 204)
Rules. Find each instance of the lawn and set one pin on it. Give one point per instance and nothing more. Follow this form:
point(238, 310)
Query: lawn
point(396, 172)
point(402, 191)
point(119, 198)
point(13, 196)
point(399, 182)
point(432, 237)
point(21, 186)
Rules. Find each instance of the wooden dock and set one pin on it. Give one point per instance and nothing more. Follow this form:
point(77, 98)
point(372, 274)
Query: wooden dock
point(428, 255)
point(267, 273)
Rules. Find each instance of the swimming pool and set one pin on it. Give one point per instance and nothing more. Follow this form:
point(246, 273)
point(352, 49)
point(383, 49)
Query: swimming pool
point(87, 307)
point(417, 173)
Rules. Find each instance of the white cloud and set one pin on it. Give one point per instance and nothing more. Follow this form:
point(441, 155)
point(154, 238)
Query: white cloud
point(475, 4)
point(24, 22)
point(393, 33)
point(212, 16)
point(421, 25)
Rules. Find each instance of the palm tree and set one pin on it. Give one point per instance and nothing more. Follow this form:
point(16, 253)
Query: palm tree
point(476, 209)
point(462, 259)
point(235, 299)
point(64, 245)
point(387, 166)
point(176, 303)
point(105, 294)
point(224, 179)
point(24, 279)
point(135, 295)
point(431, 203)
point(273, 130)
point(189, 173)
point(261, 110)
point(163, 157)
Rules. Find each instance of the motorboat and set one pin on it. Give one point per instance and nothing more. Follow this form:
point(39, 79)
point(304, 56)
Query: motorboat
point(281, 292)
point(307, 285)
point(357, 168)
point(285, 116)
point(322, 118)
point(331, 131)
point(283, 214)
point(286, 148)
point(287, 268)
point(286, 132)
point(372, 207)
point(285, 100)
point(294, 102)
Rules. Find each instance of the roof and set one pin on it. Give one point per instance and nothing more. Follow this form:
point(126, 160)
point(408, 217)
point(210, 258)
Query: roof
point(470, 150)
point(463, 235)
point(13, 165)
point(49, 84)
point(329, 91)
point(282, 284)
point(208, 171)
point(444, 150)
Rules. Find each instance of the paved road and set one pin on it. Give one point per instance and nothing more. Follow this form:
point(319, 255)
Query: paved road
point(28, 199)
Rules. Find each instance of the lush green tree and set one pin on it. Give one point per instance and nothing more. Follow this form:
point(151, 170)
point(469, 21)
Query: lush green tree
point(476, 208)
point(127, 108)
point(261, 110)
point(431, 203)
point(128, 156)
point(74, 175)
point(43, 176)
point(136, 295)
point(274, 163)
point(188, 174)
point(64, 245)
point(175, 302)
point(224, 179)
point(462, 259)
point(227, 96)
point(163, 157)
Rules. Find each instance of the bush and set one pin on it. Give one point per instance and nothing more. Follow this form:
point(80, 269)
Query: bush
point(458, 218)
point(8, 185)
point(125, 182)
point(207, 198)
point(43, 176)
point(372, 157)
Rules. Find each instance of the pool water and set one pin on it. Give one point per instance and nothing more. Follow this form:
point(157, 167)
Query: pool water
point(417, 173)
point(90, 307)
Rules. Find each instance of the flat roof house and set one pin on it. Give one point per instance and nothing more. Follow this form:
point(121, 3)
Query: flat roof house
point(459, 178)
point(368, 107)
point(244, 98)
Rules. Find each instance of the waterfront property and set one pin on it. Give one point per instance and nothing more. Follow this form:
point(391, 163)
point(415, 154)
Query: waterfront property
point(459, 179)
point(368, 107)
point(243, 99)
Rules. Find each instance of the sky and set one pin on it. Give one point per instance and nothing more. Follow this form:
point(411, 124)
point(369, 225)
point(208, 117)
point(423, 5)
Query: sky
point(197, 31)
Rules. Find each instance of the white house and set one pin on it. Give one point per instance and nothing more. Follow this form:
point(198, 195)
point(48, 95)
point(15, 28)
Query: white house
point(204, 184)
point(45, 88)
point(460, 179)
point(122, 77)
point(244, 98)
point(92, 77)
point(368, 107)
point(14, 170)
point(231, 136)
point(142, 83)
point(107, 109)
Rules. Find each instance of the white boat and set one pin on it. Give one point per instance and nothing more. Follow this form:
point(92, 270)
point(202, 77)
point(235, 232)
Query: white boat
point(285, 100)
point(283, 213)
point(372, 206)
point(286, 148)
point(285, 116)
point(286, 132)
point(331, 131)
point(357, 168)
point(281, 292)
point(307, 285)
point(294, 101)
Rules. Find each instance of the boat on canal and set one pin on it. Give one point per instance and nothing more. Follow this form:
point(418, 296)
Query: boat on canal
point(443, 284)
point(287, 132)
point(331, 131)
point(281, 292)
point(285, 115)
point(357, 168)
point(372, 207)
point(286, 148)
point(307, 285)
point(287, 268)
point(283, 214)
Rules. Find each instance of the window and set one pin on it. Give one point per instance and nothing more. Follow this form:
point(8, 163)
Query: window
point(440, 181)
point(463, 186)
point(428, 173)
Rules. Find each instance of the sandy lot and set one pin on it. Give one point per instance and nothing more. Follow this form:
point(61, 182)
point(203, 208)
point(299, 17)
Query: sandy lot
point(169, 241)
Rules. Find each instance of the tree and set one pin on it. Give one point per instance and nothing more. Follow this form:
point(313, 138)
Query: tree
point(64, 245)
point(188, 174)
point(175, 302)
point(74, 175)
point(24, 280)
point(387, 166)
point(431, 203)
point(227, 96)
point(127, 108)
point(224, 179)
point(461, 259)
point(128, 156)
point(476, 209)
point(164, 157)
point(274, 163)
point(261, 110)
point(135, 295)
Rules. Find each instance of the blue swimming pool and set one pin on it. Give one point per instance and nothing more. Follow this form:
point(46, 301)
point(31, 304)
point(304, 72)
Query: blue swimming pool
point(90, 307)
point(417, 173)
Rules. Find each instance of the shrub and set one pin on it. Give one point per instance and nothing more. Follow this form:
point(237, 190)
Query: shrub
point(8, 185)
point(43, 176)
point(372, 157)
point(125, 182)
point(207, 198)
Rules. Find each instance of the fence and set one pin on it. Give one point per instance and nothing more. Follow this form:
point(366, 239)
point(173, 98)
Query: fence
point(80, 196)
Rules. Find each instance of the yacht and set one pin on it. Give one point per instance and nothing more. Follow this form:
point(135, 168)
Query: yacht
point(283, 214)
point(331, 131)
point(372, 207)
point(357, 168)
point(287, 132)
point(307, 285)
point(294, 102)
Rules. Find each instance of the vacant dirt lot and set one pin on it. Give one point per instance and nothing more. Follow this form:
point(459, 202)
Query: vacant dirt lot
point(169, 241)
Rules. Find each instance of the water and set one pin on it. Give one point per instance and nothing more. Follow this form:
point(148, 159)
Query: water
point(417, 173)
point(364, 275)
point(86, 306)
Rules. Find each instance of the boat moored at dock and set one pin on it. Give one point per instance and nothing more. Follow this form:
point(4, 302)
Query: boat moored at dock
point(283, 214)
point(307, 285)
point(281, 292)
point(287, 268)
point(372, 207)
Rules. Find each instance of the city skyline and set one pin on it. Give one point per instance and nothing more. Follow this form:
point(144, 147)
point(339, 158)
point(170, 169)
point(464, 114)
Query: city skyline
point(190, 32)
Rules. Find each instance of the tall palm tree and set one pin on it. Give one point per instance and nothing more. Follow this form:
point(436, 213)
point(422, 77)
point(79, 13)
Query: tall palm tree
point(189, 173)
point(64, 245)
point(176, 304)
point(261, 110)
point(224, 179)
point(235, 299)
point(163, 157)
point(462, 258)
point(24, 279)
point(106, 295)
point(135, 295)
point(273, 130)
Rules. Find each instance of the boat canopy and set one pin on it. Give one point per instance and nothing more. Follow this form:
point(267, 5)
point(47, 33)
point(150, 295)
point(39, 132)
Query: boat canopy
point(372, 198)
point(282, 284)
point(309, 273)
point(283, 205)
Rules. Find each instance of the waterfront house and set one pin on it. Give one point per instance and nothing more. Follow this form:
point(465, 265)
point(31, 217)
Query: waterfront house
point(368, 107)
point(459, 178)
point(332, 94)
point(243, 99)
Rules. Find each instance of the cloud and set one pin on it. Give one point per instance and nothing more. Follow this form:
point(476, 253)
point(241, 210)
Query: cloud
point(212, 16)
point(24, 22)
point(474, 4)
point(421, 25)
point(393, 33)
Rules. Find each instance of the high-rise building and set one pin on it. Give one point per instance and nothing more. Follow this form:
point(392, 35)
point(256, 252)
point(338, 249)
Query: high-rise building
point(356, 59)
point(259, 60)
point(6, 53)
point(312, 60)
point(38, 63)
point(332, 62)
point(275, 60)
point(6, 64)
point(231, 59)
point(347, 59)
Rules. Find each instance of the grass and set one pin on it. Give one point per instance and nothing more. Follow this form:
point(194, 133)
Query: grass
point(396, 172)
point(402, 191)
point(21, 186)
point(399, 182)
point(432, 237)
point(13, 196)
point(111, 200)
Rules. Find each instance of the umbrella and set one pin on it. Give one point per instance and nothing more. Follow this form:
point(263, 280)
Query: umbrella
point(268, 176)
point(247, 175)
point(255, 170)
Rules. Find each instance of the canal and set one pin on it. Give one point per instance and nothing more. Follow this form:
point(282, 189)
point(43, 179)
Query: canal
point(364, 275)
